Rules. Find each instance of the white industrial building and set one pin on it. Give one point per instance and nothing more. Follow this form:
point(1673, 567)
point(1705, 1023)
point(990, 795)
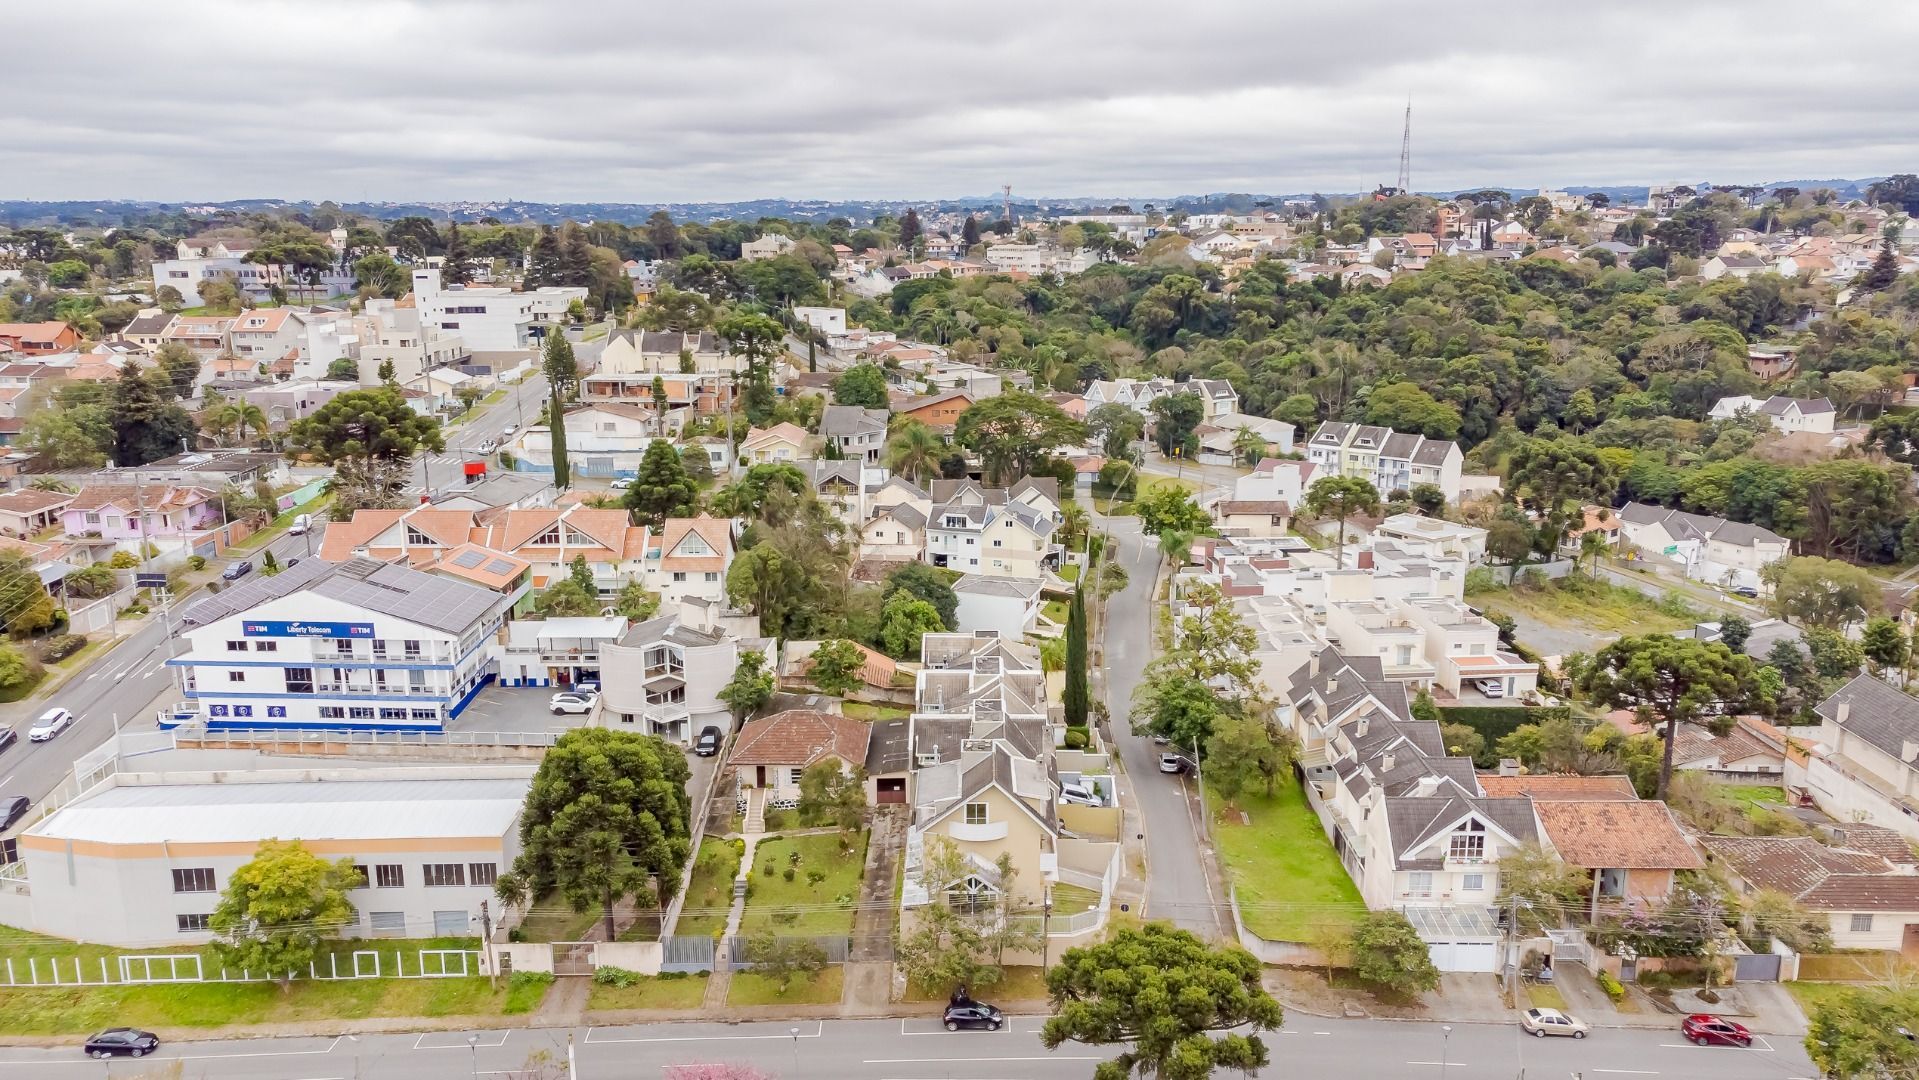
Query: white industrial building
point(140, 859)
point(492, 319)
point(359, 644)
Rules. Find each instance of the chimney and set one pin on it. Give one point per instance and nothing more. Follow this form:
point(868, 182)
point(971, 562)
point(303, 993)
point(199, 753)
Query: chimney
point(1509, 766)
point(1386, 764)
point(1909, 751)
point(1365, 560)
point(1359, 729)
point(1312, 667)
point(1845, 713)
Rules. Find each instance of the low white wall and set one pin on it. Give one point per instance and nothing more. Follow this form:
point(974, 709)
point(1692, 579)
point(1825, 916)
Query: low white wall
point(525, 956)
point(644, 957)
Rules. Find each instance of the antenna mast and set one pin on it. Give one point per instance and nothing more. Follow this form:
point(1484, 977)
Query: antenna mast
point(1406, 152)
point(1006, 190)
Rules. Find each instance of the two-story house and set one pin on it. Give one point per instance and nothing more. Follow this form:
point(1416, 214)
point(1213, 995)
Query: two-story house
point(782, 443)
point(695, 369)
point(1464, 651)
point(131, 514)
point(1865, 766)
point(1705, 548)
point(1392, 461)
point(857, 434)
point(1785, 414)
point(664, 677)
point(999, 532)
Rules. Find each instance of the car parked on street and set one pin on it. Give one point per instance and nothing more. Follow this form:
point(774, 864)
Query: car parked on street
point(1705, 1029)
point(972, 1014)
point(130, 1042)
point(237, 571)
point(301, 525)
point(1173, 763)
point(570, 702)
point(708, 742)
point(1544, 1022)
point(621, 483)
point(51, 723)
point(12, 807)
point(8, 736)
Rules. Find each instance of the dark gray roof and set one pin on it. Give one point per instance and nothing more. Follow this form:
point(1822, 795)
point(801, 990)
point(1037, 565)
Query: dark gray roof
point(1399, 445)
point(1331, 432)
point(434, 600)
point(906, 514)
point(667, 628)
point(843, 420)
point(1877, 713)
point(1681, 525)
point(1434, 451)
point(1777, 406)
point(886, 748)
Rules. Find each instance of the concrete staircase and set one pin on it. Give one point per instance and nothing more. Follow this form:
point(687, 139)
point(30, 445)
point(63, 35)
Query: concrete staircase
point(755, 812)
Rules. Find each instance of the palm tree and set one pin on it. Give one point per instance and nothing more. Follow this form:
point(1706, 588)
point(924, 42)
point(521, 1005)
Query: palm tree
point(914, 450)
point(1592, 548)
point(1249, 446)
point(248, 417)
point(48, 483)
point(220, 419)
point(1176, 546)
point(1072, 524)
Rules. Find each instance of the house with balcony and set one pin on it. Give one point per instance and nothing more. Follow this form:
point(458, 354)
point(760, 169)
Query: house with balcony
point(688, 559)
point(129, 514)
point(1383, 630)
point(663, 677)
point(1390, 460)
point(1864, 768)
point(547, 538)
point(999, 532)
point(1464, 651)
point(561, 652)
point(1433, 537)
point(856, 434)
point(1631, 850)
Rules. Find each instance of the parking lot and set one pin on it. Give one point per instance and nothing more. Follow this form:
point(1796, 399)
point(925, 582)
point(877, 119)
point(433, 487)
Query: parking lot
point(516, 709)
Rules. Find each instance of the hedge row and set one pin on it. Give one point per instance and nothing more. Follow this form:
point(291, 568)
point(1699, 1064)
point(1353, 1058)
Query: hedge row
point(1495, 722)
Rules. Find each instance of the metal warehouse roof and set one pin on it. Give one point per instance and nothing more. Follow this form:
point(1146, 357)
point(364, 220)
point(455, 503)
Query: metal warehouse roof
point(428, 599)
point(335, 809)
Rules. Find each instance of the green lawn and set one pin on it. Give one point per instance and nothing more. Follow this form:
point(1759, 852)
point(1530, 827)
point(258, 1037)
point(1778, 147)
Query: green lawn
point(1069, 572)
point(1055, 610)
point(280, 525)
point(1071, 899)
point(21, 946)
point(825, 988)
point(1016, 983)
point(1289, 881)
point(711, 889)
point(1811, 995)
point(659, 992)
point(804, 907)
point(74, 1010)
point(1752, 794)
point(553, 919)
point(1587, 605)
point(860, 710)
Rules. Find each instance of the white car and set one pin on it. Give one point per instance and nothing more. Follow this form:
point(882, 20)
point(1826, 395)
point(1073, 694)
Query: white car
point(569, 702)
point(1490, 687)
point(1544, 1022)
point(1080, 795)
point(510, 429)
point(485, 447)
point(621, 483)
point(301, 525)
point(51, 723)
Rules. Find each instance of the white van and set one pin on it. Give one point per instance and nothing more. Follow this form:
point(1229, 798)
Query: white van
point(300, 525)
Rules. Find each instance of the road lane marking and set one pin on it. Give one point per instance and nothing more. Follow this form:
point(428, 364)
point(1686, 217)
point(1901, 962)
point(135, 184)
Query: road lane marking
point(1628, 1072)
point(461, 1045)
point(1695, 1046)
point(1005, 1027)
point(819, 1029)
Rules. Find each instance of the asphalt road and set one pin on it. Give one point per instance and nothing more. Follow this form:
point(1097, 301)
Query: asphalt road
point(917, 1049)
point(1178, 888)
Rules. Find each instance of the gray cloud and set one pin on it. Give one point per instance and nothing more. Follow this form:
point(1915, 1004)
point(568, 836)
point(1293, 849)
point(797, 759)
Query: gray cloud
point(726, 99)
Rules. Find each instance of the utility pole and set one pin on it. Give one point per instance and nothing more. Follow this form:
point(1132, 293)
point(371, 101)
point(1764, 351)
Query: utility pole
point(1406, 151)
point(1046, 932)
point(1512, 943)
point(486, 942)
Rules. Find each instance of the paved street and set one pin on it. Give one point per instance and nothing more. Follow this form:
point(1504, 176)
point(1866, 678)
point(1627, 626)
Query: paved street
point(1177, 887)
point(918, 1050)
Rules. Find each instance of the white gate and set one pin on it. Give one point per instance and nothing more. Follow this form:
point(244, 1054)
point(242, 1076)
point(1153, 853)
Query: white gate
point(161, 968)
point(438, 963)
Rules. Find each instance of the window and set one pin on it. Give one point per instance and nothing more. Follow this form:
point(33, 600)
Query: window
point(236, 676)
point(266, 646)
point(299, 680)
point(1468, 846)
point(332, 712)
point(389, 876)
point(451, 923)
point(1861, 924)
point(999, 543)
point(483, 873)
point(424, 714)
point(389, 923)
point(1420, 883)
point(1472, 882)
point(976, 813)
point(193, 879)
point(679, 575)
point(360, 712)
point(191, 924)
point(712, 575)
point(444, 873)
point(236, 646)
point(362, 875)
point(393, 714)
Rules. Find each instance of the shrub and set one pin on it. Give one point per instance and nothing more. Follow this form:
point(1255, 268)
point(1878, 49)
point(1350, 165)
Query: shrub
point(787, 873)
point(1076, 738)
point(1611, 986)
point(61, 646)
point(814, 877)
point(196, 562)
point(767, 870)
point(616, 976)
point(124, 560)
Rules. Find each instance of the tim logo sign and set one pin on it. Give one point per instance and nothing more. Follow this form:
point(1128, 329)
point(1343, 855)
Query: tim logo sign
point(308, 629)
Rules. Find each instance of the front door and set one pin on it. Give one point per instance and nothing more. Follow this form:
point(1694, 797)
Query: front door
point(759, 773)
point(1909, 945)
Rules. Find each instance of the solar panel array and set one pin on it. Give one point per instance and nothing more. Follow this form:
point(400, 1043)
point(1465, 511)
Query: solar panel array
point(469, 559)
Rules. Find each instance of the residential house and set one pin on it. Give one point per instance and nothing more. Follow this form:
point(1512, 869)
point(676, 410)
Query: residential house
point(1253, 517)
point(995, 531)
point(1786, 414)
point(1739, 267)
point(877, 670)
point(1709, 549)
point(941, 412)
point(1630, 850)
point(688, 559)
point(1869, 901)
point(1007, 606)
point(767, 246)
point(772, 753)
point(783, 442)
point(633, 359)
point(1219, 437)
point(130, 514)
point(1864, 769)
point(1390, 460)
point(602, 439)
point(555, 651)
point(827, 320)
point(856, 433)
point(29, 512)
point(1433, 537)
point(547, 538)
point(1464, 651)
point(1737, 756)
point(487, 319)
point(198, 260)
point(263, 335)
point(663, 677)
point(38, 338)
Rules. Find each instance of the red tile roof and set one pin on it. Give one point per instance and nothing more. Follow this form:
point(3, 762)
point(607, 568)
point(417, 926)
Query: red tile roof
point(800, 737)
point(1616, 835)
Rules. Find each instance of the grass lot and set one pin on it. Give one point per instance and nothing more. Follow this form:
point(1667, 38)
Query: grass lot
point(1546, 997)
point(1017, 983)
point(1055, 610)
point(659, 992)
point(280, 525)
point(1071, 899)
point(1289, 881)
point(75, 1010)
point(1598, 607)
point(860, 710)
point(825, 988)
point(1069, 572)
point(805, 908)
point(1147, 484)
point(553, 919)
point(1811, 995)
point(1752, 794)
point(711, 889)
point(30, 952)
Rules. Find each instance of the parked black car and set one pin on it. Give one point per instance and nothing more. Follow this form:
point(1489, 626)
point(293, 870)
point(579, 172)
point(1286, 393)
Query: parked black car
point(129, 1041)
point(11, 807)
point(708, 742)
point(237, 571)
point(8, 736)
point(973, 1014)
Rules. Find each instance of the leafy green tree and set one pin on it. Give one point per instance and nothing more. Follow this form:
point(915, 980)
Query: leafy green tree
point(930, 585)
point(25, 606)
point(1014, 431)
point(1117, 427)
point(1884, 644)
point(750, 688)
point(1177, 707)
point(1735, 631)
point(661, 489)
point(1674, 680)
point(831, 795)
point(904, 620)
point(1404, 406)
point(15, 669)
point(1341, 497)
point(606, 819)
point(1167, 509)
point(58, 441)
point(179, 367)
point(378, 275)
point(770, 492)
point(279, 906)
point(1161, 994)
point(1076, 699)
point(1862, 1035)
point(914, 450)
point(1249, 749)
point(562, 373)
point(147, 425)
point(837, 667)
point(581, 574)
point(1531, 872)
point(1834, 655)
point(1175, 420)
point(1510, 542)
point(566, 599)
point(1387, 951)
point(367, 429)
point(863, 385)
point(635, 603)
point(794, 578)
point(781, 959)
point(1821, 592)
point(1463, 741)
point(344, 369)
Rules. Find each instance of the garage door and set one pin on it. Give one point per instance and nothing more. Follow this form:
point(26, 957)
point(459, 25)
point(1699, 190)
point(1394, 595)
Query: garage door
point(1464, 955)
point(890, 790)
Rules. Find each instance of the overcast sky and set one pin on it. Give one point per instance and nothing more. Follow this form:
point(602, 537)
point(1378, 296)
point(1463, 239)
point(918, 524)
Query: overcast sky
point(712, 100)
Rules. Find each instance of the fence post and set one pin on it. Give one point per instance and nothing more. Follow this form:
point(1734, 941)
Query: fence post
point(103, 972)
point(10, 980)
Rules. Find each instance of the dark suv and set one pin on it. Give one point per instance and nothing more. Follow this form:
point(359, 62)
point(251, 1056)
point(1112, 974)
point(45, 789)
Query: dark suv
point(708, 742)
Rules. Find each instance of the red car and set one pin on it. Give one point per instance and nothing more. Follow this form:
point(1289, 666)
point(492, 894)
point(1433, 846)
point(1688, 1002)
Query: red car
point(1707, 1030)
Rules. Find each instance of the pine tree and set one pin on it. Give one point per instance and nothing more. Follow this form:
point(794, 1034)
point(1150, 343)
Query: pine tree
point(562, 372)
point(1885, 266)
point(576, 258)
point(662, 489)
point(910, 230)
point(543, 268)
point(970, 231)
point(1076, 698)
point(582, 575)
point(457, 269)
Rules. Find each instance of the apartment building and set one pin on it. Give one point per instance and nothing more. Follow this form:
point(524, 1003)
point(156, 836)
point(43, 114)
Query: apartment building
point(663, 677)
point(634, 359)
point(490, 319)
point(1392, 461)
point(197, 261)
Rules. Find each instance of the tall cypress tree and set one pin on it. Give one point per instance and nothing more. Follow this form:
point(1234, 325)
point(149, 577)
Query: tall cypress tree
point(1075, 699)
point(561, 371)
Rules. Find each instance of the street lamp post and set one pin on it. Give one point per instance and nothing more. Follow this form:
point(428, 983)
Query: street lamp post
point(473, 1044)
point(1445, 1040)
point(796, 1050)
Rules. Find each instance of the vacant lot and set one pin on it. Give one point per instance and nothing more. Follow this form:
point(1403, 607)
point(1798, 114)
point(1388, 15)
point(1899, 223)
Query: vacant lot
point(1579, 615)
point(1289, 882)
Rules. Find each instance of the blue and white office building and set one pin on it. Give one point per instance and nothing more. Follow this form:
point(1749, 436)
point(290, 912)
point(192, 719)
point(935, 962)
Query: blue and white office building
point(355, 645)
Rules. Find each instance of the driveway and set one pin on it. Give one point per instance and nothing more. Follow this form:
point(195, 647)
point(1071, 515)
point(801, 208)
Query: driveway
point(515, 709)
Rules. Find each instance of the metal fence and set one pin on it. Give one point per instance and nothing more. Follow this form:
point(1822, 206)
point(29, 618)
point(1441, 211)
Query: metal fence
point(837, 949)
point(683, 952)
point(135, 969)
